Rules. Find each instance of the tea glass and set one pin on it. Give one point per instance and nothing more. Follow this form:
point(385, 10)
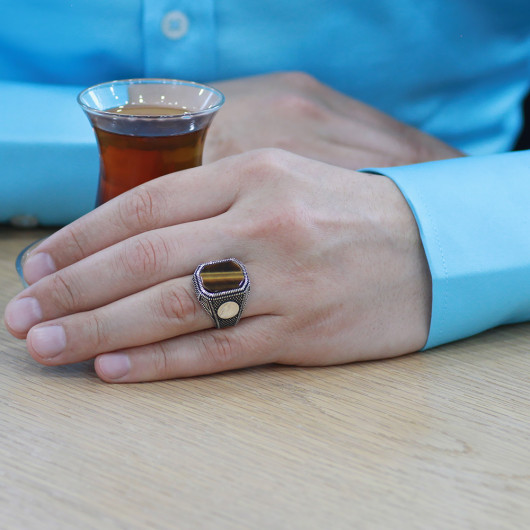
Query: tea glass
point(145, 128)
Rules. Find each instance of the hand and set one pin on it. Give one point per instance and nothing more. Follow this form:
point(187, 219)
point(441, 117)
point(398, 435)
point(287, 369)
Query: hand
point(337, 270)
point(294, 111)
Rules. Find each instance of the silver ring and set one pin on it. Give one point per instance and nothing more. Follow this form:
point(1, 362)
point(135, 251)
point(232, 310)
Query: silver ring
point(222, 289)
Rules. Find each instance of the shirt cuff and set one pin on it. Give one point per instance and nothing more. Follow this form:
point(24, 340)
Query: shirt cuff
point(473, 215)
point(49, 169)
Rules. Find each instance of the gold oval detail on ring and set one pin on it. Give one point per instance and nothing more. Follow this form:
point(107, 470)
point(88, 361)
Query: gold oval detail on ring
point(228, 310)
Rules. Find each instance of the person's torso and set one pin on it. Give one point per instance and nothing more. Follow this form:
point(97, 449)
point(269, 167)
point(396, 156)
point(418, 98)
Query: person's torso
point(455, 69)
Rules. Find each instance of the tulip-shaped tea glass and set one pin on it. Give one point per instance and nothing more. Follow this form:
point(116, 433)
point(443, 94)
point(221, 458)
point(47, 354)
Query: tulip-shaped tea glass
point(145, 128)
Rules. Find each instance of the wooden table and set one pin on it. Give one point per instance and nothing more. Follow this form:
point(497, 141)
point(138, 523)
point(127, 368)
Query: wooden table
point(427, 441)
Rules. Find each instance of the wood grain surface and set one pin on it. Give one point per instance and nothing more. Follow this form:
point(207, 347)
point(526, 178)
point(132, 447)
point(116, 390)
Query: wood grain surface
point(437, 440)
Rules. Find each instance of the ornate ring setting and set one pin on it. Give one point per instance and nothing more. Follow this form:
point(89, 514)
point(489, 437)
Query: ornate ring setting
point(222, 289)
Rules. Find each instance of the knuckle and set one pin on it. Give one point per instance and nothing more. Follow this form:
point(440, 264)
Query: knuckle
point(300, 97)
point(218, 349)
point(177, 303)
point(300, 80)
point(265, 164)
point(145, 256)
point(98, 331)
point(74, 242)
point(63, 294)
point(161, 361)
point(300, 105)
point(137, 211)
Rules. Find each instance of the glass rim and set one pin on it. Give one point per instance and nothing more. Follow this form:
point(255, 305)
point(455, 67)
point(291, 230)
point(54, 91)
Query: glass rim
point(151, 81)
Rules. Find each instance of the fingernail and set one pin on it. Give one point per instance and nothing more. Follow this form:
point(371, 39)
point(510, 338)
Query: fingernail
point(48, 341)
point(114, 365)
point(37, 266)
point(22, 314)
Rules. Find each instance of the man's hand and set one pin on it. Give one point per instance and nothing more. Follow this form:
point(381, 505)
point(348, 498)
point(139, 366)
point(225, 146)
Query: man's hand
point(337, 269)
point(294, 111)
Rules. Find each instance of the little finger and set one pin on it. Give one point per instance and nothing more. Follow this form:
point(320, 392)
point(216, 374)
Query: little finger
point(254, 341)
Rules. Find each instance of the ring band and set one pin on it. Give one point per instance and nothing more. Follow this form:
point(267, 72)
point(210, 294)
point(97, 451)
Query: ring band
point(222, 289)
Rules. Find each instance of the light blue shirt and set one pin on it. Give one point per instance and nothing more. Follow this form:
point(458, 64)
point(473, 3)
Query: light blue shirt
point(455, 69)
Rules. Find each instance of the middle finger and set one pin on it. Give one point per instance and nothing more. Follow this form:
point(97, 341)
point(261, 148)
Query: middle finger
point(129, 267)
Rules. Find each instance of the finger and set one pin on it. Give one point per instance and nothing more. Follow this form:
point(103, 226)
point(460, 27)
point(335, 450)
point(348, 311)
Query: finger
point(161, 312)
point(334, 150)
point(376, 131)
point(344, 140)
point(254, 341)
point(162, 202)
point(121, 270)
point(350, 108)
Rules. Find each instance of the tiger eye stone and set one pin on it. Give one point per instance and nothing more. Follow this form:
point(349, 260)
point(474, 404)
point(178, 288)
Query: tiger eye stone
point(223, 276)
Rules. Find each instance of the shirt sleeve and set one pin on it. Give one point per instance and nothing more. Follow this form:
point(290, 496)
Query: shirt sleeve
point(48, 155)
point(473, 215)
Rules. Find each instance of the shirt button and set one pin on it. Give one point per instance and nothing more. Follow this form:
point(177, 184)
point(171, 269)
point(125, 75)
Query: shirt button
point(175, 25)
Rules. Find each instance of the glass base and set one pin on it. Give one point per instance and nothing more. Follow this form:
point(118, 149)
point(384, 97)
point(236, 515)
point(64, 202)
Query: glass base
point(23, 256)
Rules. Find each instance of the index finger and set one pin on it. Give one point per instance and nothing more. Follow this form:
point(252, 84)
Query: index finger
point(186, 196)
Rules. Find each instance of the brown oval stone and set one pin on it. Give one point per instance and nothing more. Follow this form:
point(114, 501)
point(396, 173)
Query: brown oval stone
point(222, 276)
